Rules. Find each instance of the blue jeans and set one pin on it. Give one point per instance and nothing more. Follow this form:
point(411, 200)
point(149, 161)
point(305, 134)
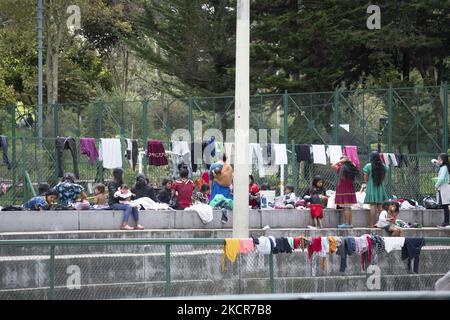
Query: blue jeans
point(127, 209)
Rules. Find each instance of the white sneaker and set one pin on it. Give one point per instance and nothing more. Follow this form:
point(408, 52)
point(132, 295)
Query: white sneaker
point(266, 228)
point(312, 228)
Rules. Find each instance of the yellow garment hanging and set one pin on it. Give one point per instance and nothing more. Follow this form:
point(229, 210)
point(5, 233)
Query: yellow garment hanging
point(332, 244)
point(230, 250)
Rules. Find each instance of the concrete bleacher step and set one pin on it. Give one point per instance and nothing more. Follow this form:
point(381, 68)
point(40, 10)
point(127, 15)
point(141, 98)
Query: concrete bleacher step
point(153, 289)
point(70, 220)
point(192, 265)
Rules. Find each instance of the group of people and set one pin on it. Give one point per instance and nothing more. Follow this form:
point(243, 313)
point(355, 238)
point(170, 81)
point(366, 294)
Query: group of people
point(215, 187)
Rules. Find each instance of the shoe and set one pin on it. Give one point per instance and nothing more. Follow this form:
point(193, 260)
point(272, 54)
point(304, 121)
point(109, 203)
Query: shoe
point(444, 225)
point(312, 228)
point(345, 226)
point(139, 227)
point(127, 227)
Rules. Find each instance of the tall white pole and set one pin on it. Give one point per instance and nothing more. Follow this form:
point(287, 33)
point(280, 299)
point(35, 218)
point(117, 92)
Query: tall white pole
point(241, 122)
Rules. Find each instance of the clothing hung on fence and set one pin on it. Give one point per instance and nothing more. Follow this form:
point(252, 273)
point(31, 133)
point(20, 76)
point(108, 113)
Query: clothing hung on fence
point(352, 153)
point(319, 154)
point(88, 147)
point(196, 155)
point(132, 152)
point(156, 153)
point(4, 145)
point(230, 250)
point(280, 152)
point(63, 143)
point(220, 149)
point(401, 160)
point(303, 152)
point(388, 159)
point(335, 153)
point(393, 243)
point(346, 248)
point(411, 251)
point(255, 151)
point(181, 157)
point(229, 152)
point(110, 151)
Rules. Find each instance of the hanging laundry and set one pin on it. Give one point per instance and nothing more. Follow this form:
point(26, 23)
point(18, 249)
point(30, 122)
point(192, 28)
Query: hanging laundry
point(64, 143)
point(401, 160)
point(319, 154)
point(323, 253)
point(246, 245)
point(332, 244)
point(88, 147)
point(335, 153)
point(367, 255)
point(378, 244)
point(264, 246)
point(346, 248)
point(220, 149)
point(280, 152)
point(156, 153)
point(352, 153)
point(411, 251)
point(303, 152)
point(273, 244)
point(110, 152)
point(393, 243)
point(255, 151)
point(181, 157)
point(141, 156)
point(196, 155)
point(4, 145)
point(132, 152)
point(229, 152)
point(291, 242)
point(230, 250)
point(390, 159)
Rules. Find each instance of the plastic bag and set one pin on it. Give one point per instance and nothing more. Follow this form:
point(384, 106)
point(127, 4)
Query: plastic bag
point(429, 203)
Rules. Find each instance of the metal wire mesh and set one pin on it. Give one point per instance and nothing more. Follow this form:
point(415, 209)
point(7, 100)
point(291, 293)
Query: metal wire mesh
point(156, 270)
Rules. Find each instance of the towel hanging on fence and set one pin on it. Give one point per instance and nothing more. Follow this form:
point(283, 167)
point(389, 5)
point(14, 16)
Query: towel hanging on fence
point(303, 152)
point(319, 154)
point(280, 154)
point(335, 153)
point(255, 150)
point(4, 145)
point(110, 151)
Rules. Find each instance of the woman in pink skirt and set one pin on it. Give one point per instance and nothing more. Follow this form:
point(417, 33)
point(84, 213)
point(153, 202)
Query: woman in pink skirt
point(345, 190)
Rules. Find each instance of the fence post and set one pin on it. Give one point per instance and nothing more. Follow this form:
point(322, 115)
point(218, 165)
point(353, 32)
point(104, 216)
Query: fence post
point(168, 286)
point(445, 122)
point(14, 144)
point(24, 169)
point(390, 122)
point(271, 278)
point(52, 275)
point(56, 134)
point(99, 107)
point(190, 120)
point(285, 116)
point(78, 121)
point(336, 116)
point(145, 133)
point(294, 165)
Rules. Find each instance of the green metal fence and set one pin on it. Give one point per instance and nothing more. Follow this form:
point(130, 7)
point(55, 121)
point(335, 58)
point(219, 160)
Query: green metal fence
point(412, 120)
point(146, 268)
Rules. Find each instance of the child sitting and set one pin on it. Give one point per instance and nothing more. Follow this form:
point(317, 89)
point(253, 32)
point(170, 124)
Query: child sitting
point(205, 191)
point(183, 188)
point(387, 219)
point(288, 198)
point(316, 196)
point(124, 194)
point(42, 202)
point(165, 194)
point(100, 198)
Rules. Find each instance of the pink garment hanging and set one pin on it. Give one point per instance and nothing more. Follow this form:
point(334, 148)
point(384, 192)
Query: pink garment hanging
point(352, 153)
point(88, 147)
point(246, 245)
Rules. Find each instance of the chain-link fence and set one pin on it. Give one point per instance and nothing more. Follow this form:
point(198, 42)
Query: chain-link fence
point(146, 268)
point(412, 121)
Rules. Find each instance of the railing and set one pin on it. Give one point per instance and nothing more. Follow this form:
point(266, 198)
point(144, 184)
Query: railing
point(133, 267)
